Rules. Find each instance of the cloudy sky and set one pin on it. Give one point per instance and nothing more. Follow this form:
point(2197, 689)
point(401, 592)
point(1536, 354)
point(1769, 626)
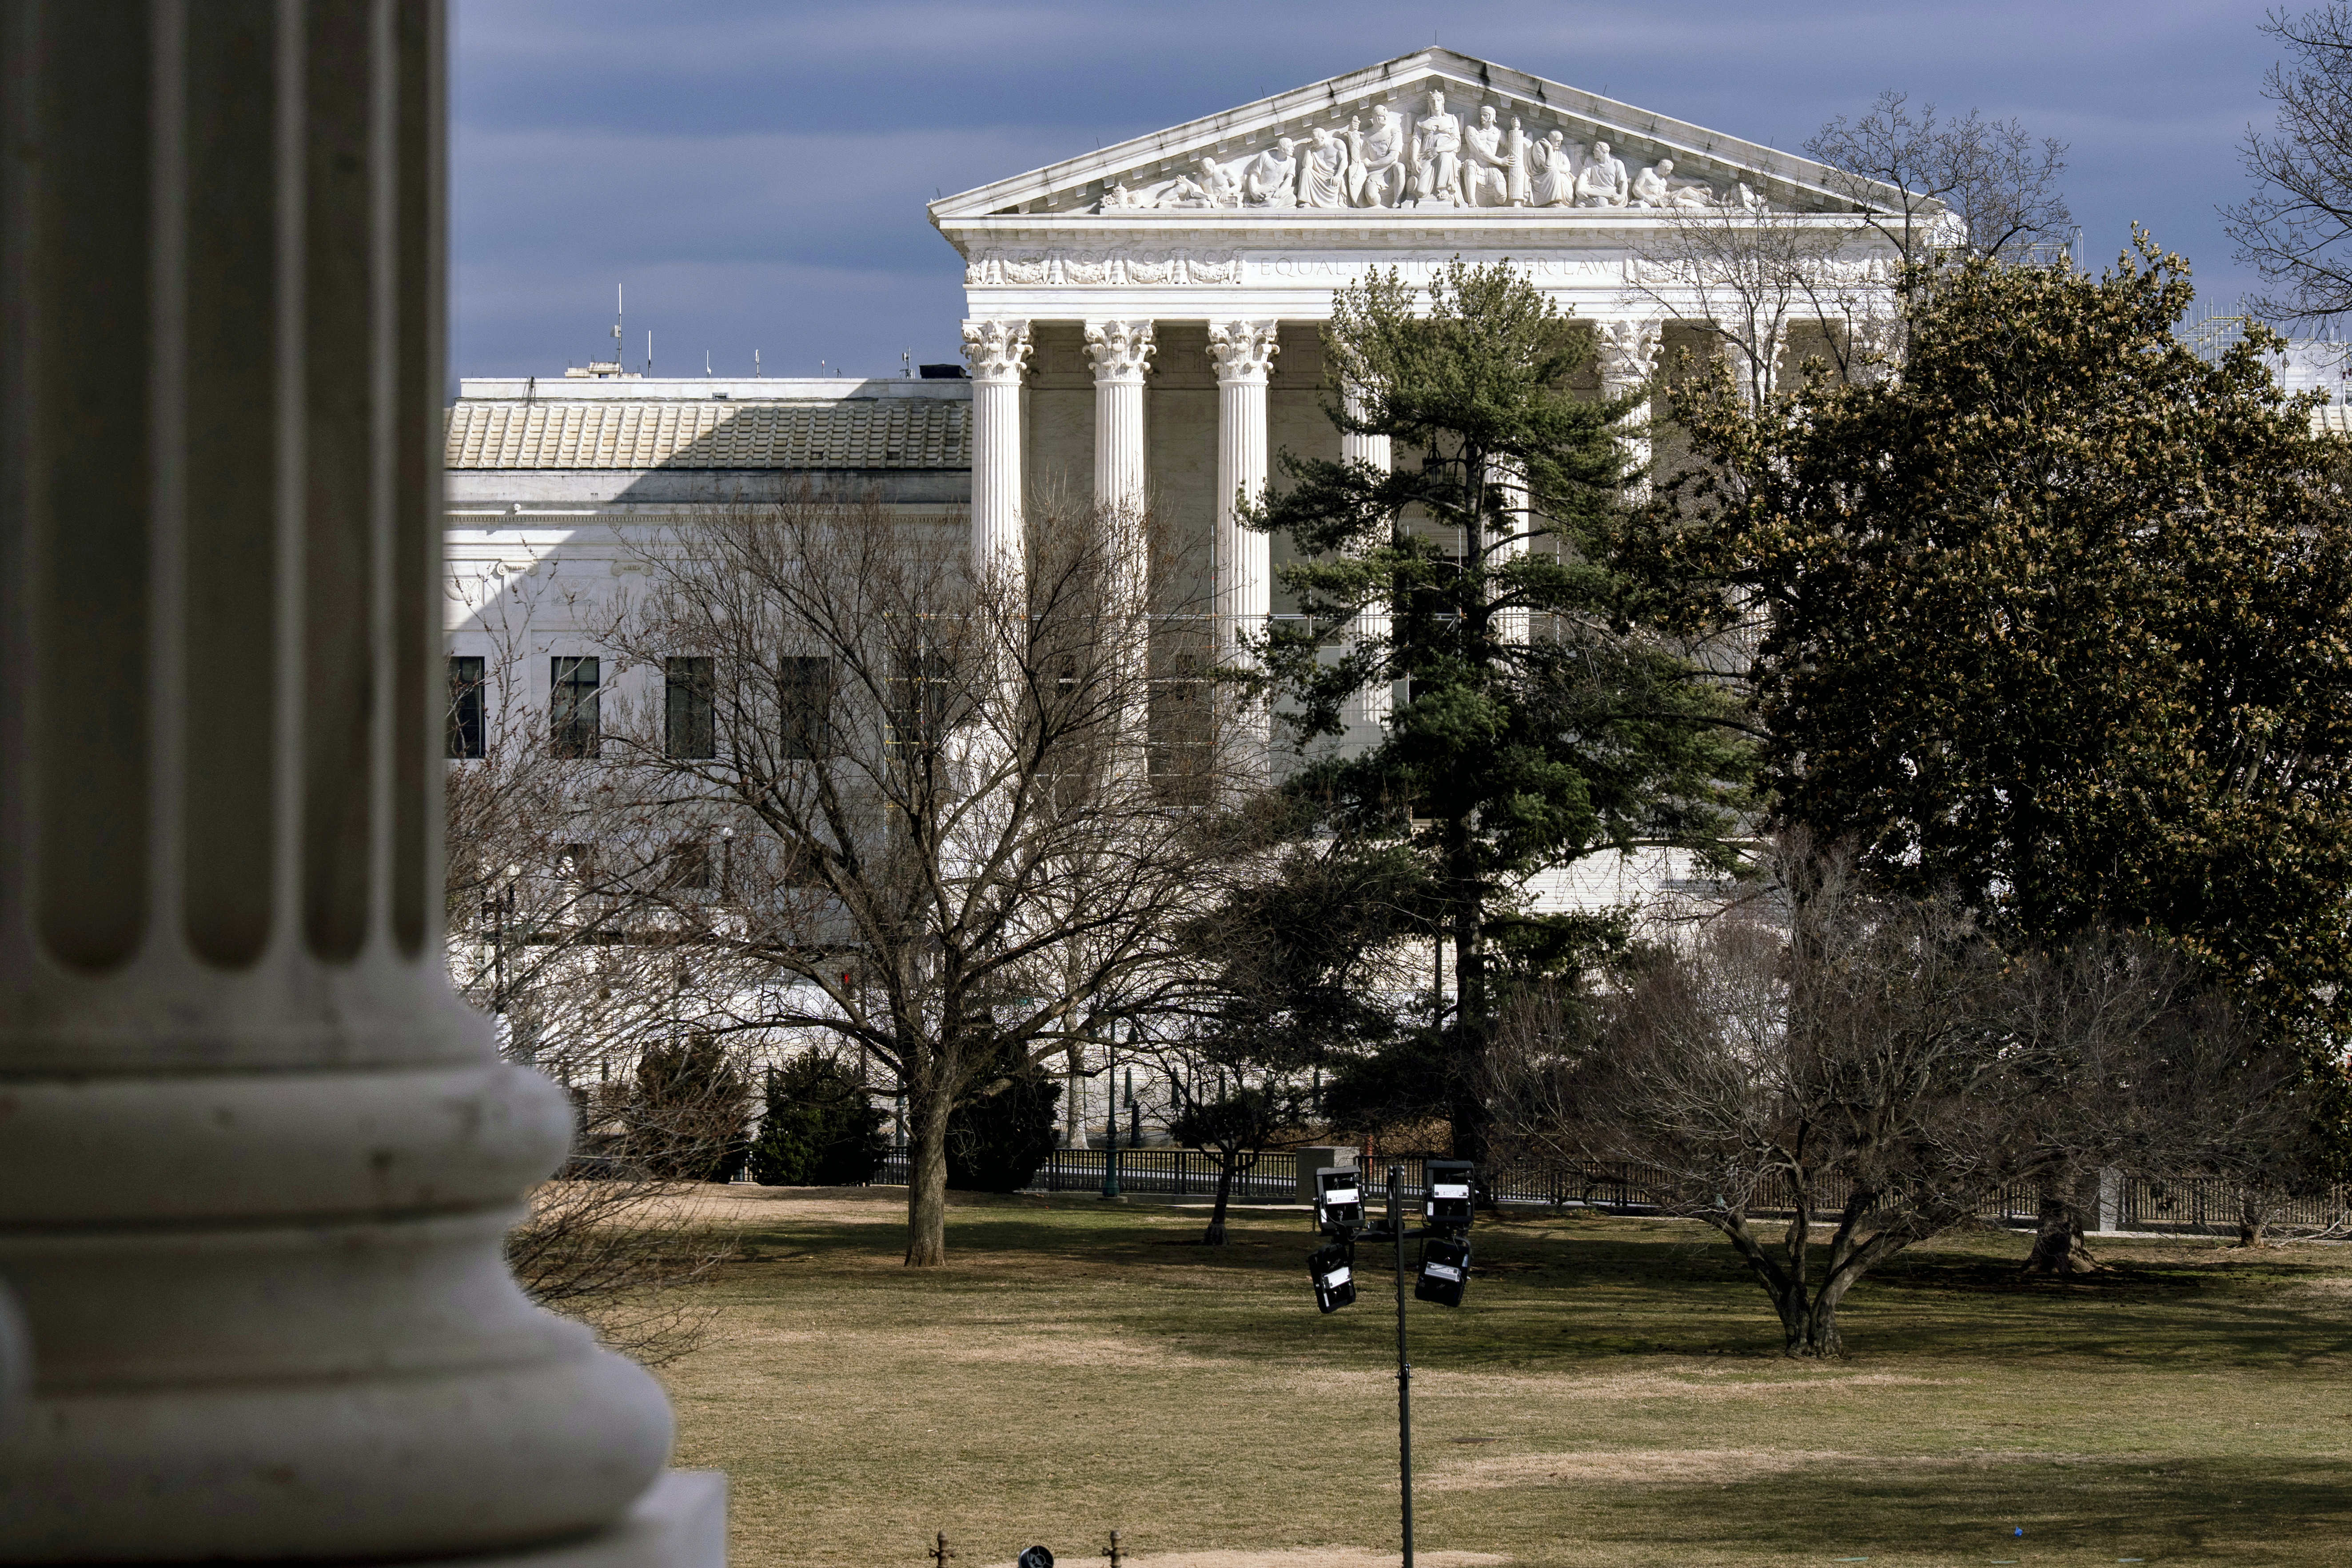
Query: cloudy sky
point(756, 173)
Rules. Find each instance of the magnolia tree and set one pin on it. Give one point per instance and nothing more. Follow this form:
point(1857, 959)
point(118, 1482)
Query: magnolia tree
point(952, 814)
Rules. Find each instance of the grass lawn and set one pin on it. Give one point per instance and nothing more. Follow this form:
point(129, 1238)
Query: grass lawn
point(1611, 1393)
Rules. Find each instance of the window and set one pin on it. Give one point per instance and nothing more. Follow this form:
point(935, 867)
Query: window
point(805, 705)
point(573, 712)
point(690, 709)
point(467, 710)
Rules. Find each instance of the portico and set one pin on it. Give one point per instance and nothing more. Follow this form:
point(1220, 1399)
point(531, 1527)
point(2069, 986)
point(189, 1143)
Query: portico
point(1143, 323)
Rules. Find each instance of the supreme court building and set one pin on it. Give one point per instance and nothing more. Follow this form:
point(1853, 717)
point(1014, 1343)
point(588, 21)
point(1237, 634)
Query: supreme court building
point(1142, 329)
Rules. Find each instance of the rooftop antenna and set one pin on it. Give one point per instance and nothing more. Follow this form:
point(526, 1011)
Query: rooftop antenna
point(755, 365)
point(820, 370)
point(705, 364)
point(906, 364)
point(617, 318)
point(649, 351)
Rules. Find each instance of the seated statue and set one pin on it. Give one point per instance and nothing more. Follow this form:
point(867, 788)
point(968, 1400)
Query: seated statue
point(1323, 170)
point(1549, 183)
point(1270, 179)
point(1486, 162)
point(1650, 186)
point(1602, 182)
point(1376, 159)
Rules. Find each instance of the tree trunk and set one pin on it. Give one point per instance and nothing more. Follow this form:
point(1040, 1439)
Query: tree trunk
point(1216, 1236)
point(927, 1183)
point(1469, 1110)
point(2058, 1247)
point(2253, 1218)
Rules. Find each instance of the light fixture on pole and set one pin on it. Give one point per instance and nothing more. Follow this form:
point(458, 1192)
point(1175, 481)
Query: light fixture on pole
point(1447, 1209)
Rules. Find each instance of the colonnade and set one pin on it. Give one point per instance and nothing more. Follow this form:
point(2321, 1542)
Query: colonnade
point(1243, 352)
point(256, 1160)
point(1121, 353)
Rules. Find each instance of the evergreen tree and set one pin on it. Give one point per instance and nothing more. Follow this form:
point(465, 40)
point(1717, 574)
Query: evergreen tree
point(688, 1112)
point(821, 1129)
point(1000, 1134)
point(1538, 722)
point(2059, 619)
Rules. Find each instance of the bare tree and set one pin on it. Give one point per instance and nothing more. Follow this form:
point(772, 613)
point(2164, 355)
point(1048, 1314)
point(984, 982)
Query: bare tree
point(551, 931)
point(1875, 1066)
point(2293, 230)
point(1923, 191)
point(1974, 185)
point(963, 831)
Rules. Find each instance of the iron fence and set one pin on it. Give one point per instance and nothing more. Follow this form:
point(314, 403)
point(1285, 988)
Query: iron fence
point(2184, 1204)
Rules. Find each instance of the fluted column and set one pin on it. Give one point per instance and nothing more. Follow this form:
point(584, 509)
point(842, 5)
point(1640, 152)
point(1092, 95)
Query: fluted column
point(1121, 353)
point(257, 1161)
point(1628, 356)
point(996, 351)
point(1510, 481)
point(1243, 353)
point(1371, 623)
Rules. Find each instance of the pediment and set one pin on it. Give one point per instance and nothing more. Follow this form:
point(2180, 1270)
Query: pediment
point(1372, 144)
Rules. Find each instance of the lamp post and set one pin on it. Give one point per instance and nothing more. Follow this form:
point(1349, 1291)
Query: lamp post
point(498, 908)
point(1446, 1211)
point(1111, 1122)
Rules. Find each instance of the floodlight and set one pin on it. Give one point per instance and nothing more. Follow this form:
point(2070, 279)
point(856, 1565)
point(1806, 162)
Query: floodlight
point(1339, 1199)
point(1447, 1189)
point(1445, 1268)
point(1036, 1557)
point(1332, 1269)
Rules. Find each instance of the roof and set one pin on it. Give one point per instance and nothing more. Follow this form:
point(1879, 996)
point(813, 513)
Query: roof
point(1076, 184)
point(854, 433)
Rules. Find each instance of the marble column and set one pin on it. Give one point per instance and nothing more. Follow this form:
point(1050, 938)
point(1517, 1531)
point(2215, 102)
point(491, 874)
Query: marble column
point(996, 351)
point(1243, 353)
point(1121, 353)
point(1629, 357)
point(1511, 540)
point(257, 1161)
point(1371, 624)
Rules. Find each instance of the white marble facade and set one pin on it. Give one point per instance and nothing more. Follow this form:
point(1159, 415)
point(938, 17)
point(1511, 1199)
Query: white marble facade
point(1213, 250)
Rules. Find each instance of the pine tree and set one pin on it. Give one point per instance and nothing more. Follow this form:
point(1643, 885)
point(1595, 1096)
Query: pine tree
point(1539, 722)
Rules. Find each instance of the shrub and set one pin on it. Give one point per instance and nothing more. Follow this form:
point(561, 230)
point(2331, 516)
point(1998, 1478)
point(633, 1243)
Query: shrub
point(689, 1113)
point(820, 1129)
point(998, 1138)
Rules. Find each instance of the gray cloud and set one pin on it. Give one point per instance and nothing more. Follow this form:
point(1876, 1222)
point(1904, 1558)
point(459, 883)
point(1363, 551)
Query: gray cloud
point(757, 172)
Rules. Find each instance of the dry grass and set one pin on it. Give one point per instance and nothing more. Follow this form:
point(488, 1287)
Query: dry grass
point(1611, 1393)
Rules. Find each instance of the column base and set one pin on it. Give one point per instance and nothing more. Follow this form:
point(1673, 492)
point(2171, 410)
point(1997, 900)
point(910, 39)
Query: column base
point(680, 1522)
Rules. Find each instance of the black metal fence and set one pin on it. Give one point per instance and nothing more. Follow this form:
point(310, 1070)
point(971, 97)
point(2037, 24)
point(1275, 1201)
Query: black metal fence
point(2188, 1204)
point(1147, 1173)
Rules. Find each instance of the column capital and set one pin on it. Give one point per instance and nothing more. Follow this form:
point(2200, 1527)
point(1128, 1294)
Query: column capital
point(1244, 351)
point(996, 350)
point(1121, 351)
point(1629, 353)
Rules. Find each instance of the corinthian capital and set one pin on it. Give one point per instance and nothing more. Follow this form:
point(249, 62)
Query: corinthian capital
point(1243, 349)
point(1629, 353)
point(995, 350)
point(1121, 350)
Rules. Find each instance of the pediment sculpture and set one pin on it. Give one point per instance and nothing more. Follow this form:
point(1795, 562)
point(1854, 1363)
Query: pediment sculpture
point(1383, 155)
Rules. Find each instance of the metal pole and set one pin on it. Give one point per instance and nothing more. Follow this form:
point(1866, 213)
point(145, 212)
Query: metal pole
point(1405, 1367)
point(1110, 1127)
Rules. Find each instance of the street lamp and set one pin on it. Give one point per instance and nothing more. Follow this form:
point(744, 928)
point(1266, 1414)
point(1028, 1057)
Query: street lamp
point(1445, 1236)
point(498, 908)
point(1110, 1121)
